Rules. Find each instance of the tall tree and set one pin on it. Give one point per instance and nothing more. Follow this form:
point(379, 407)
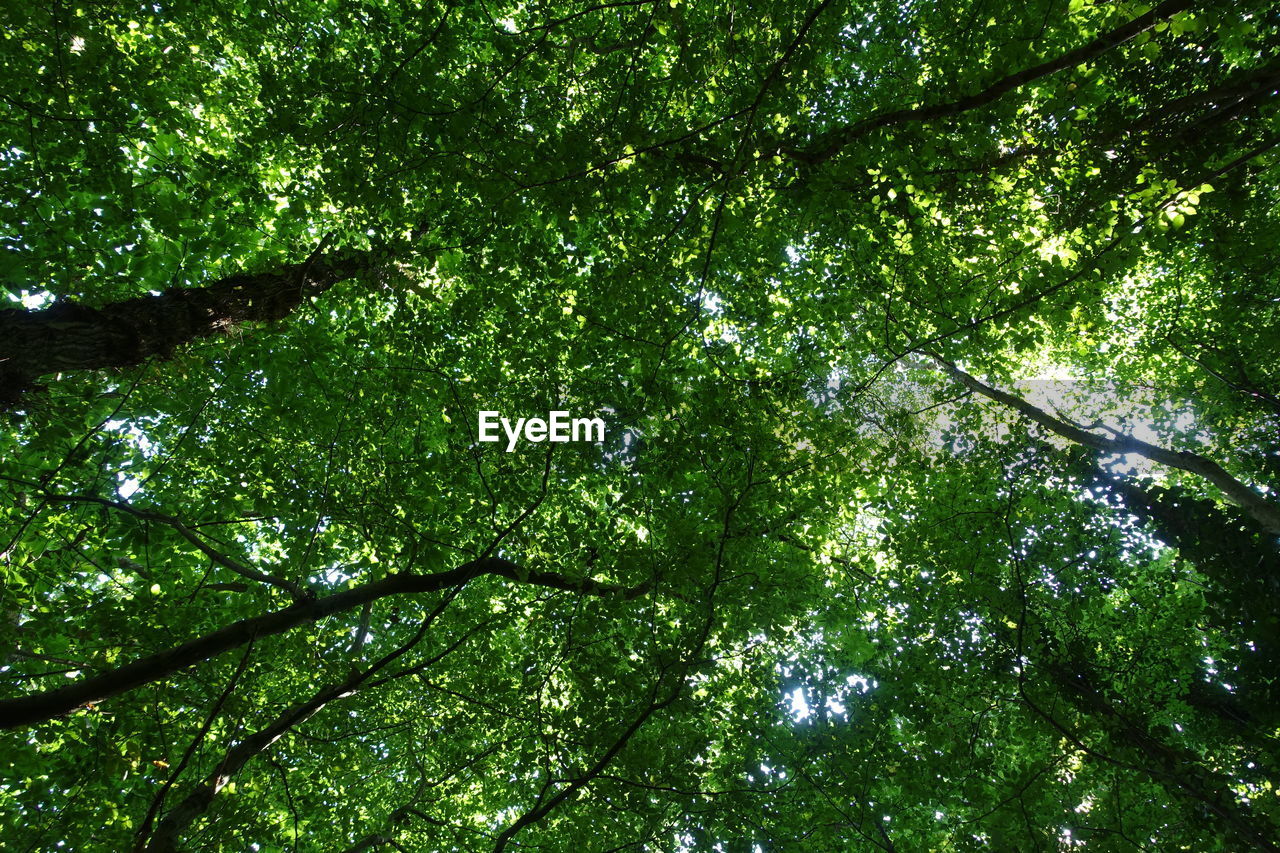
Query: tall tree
point(935, 347)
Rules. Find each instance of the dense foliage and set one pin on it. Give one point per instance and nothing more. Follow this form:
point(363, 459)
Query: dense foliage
point(937, 349)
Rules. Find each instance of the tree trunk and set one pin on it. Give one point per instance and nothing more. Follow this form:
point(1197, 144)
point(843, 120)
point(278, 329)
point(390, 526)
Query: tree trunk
point(1243, 568)
point(68, 336)
point(1178, 770)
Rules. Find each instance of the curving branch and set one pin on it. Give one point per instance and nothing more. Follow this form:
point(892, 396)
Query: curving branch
point(831, 143)
point(1265, 512)
point(38, 707)
point(675, 673)
point(296, 592)
point(158, 801)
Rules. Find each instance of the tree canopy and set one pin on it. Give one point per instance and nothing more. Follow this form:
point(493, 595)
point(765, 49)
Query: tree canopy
point(936, 347)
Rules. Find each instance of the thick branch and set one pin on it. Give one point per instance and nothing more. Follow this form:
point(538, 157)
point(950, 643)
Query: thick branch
point(1173, 767)
point(1263, 511)
point(158, 802)
point(833, 142)
point(165, 839)
point(28, 710)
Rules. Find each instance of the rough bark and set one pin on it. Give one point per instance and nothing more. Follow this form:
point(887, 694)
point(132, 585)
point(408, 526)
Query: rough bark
point(68, 336)
point(38, 707)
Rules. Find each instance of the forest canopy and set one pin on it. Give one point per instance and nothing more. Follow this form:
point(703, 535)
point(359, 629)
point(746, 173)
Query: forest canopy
point(935, 348)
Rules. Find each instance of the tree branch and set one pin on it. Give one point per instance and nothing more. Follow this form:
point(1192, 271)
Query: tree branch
point(830, 144)
point(296, 592)
point(68, 336)
point(1263, 511)
point(166, 836)
point(36, 708)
